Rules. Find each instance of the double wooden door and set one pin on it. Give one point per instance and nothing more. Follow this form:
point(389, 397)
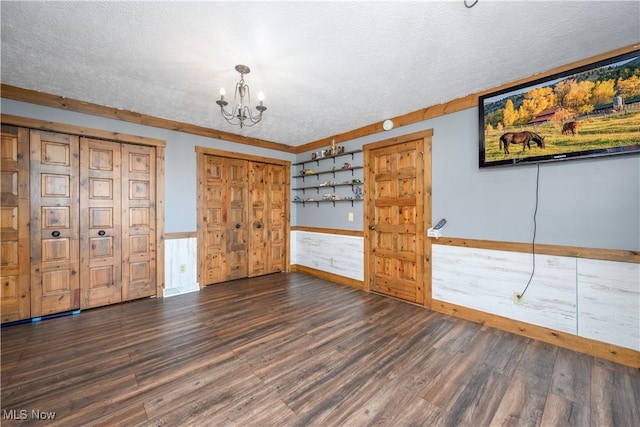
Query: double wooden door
point(92, 223)
point(243, 218)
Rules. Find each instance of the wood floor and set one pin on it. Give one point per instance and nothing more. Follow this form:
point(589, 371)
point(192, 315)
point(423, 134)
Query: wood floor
point(293, 350)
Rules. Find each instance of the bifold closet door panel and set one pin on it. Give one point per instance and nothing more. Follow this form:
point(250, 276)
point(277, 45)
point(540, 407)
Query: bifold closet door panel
point(55, 285)
point(138, 186)
point(258, 219)
point(276, 220)
point(213, 255)
point(100, 223)
point(15, 245)
point(237, 235)
point(267, 246)
point(224, 219)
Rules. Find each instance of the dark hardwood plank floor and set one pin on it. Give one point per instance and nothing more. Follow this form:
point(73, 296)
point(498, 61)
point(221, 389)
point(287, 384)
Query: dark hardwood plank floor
point(294, 350)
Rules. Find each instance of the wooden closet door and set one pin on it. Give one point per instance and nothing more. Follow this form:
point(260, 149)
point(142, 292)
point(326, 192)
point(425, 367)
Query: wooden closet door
point(214, 244)
point(138, 221)
point(276, 221)
point(242, 218)
point(258, 219)
point(14, 225)
point(237, 227)
point(55, 285)
point(100, 223)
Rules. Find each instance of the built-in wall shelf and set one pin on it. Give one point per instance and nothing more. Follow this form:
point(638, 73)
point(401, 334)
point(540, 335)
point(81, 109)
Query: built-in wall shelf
point(318, 201)
point(317, 160)
point(318, 187)
point(329, 167)
point(331, 171)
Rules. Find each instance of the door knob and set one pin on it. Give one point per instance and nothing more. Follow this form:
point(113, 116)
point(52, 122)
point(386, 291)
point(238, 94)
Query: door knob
point(372, 227)
point(55, 234)
point(258, 225)
point(101, 233)
point(238, 226)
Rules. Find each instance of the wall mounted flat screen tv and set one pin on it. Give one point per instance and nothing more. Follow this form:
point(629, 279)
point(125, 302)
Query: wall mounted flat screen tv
point(590, 111)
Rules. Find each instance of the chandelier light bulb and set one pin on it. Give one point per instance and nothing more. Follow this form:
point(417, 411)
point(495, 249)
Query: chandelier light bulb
point(260, 96)
point(222, 92)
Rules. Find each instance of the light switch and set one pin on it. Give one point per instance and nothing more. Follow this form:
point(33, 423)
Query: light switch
point(350, 216)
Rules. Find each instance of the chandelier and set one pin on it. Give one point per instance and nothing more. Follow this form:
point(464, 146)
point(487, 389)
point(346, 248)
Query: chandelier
point(241, 112)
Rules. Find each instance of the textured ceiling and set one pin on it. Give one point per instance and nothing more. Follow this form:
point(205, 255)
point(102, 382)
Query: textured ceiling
point(325, 67)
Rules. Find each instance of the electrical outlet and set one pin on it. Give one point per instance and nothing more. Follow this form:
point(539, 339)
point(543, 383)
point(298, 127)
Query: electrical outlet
point(517, 299)
point(350, 216)
point(183, 268)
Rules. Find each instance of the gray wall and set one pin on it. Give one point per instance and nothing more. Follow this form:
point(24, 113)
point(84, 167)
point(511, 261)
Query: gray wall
point(593, 203)
point(587, 203)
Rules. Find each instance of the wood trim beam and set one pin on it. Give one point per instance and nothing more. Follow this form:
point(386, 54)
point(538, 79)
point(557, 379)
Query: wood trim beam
point(588, 346)
point(243, 156)
point(69, 104)
point(353, 233)
point(180, 235)
point(544, 249)
point(160, 236)
point(452, 106)
point(79, 131)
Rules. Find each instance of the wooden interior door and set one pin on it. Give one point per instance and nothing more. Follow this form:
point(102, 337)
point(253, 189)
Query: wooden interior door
point(55, 285)
point(138, 179)
point(395, 219)
point(258, 219)
point(15, 244)
point(100, 223)
point(276, 220)
point(237, 219)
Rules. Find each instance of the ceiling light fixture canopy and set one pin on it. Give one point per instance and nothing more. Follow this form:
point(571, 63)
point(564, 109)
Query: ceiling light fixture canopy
point(241, 113)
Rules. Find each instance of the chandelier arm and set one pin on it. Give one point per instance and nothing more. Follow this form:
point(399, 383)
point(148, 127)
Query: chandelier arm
point(225, 113)
point(254, 119)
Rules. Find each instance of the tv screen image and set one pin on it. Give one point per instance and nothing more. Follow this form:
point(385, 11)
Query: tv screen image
point(589, 111)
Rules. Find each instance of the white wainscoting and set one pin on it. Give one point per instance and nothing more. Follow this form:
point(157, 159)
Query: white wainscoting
point(593, 299)
point(486, 280)
point(180, 253)
point(609, 302)
point(317, 250)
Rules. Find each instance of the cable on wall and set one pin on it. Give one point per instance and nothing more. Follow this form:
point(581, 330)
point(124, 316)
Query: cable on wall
point(533, 241)
point(469, 5)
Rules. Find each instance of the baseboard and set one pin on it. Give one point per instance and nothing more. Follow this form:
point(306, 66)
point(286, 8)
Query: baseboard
point(614, 353)
point(359, 284)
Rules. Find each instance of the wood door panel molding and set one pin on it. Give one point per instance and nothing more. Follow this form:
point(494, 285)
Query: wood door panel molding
point(100, 222)
point(138, 188)
point(55, 261)
point(397, 254)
